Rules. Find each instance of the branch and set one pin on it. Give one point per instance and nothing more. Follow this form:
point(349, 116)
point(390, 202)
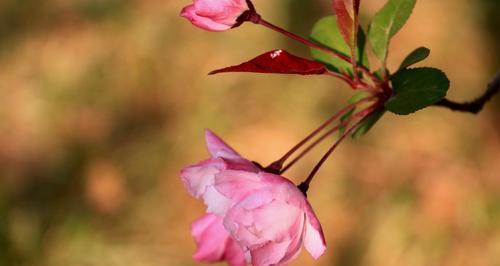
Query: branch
point(477, 105)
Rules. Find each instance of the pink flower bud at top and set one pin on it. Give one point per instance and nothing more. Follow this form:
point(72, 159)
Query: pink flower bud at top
point(216, 15)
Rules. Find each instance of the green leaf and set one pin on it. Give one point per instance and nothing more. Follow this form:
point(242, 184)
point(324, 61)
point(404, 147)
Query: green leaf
point(368, 123)
point(386, 23)
point(415, 89)
point(327, 33)
point(361, 54)
point(414, 57)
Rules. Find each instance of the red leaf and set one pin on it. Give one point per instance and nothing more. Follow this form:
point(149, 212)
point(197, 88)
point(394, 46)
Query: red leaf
point(279, 62)
point(344, 20)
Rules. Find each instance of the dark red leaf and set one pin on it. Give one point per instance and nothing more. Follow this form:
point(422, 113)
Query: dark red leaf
point(344, 20)
point(279, 62)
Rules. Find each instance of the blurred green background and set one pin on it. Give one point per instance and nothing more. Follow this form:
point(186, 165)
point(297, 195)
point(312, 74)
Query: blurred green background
point(102, 102)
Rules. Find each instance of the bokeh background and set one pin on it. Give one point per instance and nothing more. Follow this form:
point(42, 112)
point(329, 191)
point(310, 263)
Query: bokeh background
point(102, 102)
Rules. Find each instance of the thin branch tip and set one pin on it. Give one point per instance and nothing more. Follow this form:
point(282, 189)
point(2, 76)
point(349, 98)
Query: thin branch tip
point(476, 105)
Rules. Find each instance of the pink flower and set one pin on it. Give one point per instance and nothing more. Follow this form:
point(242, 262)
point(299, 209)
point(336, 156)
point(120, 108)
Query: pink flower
point(215, 15)
point(265, 214)
point(270, 217)
point(214, 243)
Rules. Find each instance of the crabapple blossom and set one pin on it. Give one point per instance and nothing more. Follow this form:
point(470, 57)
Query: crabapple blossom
point(265, 214)
point(215, 15)
point(273, 218)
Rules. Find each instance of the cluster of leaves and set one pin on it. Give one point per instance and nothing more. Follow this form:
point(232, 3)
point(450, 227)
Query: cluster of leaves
point(402, 92)
point(412, 88)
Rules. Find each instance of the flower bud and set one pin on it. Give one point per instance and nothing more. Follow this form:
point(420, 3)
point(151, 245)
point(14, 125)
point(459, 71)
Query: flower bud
point(215, 15)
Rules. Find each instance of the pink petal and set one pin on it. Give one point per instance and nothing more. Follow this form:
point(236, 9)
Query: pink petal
point(214, 243)
point(218, 148)
point(234, 254)
point(270, 253)
point(210, 237)
point(273, 179)
point(239, 220)
point(241, 164)
point(216, 202)
point(230, 187)
point(205, 23)
point(284, 189)
point(237, 184)
point(295, 246)
point(198, 177)
point(222, 11)
point(260, 218)
point(314, 240)
point(199, 180)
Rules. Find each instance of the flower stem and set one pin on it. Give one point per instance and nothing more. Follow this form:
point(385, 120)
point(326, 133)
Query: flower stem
point(257, 19)
point(302, 40)
point(321, 138)
point(276, 166)
point(304, 186)
point(356, 85)
point(342, 77)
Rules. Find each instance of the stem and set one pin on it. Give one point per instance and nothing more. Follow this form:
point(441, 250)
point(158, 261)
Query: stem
point(367, 72)
point(361, 85)
point(304, 186)
point(476, 105)
point(302, 40)
point(320, 139)
point(341, 77)
point(277, 165)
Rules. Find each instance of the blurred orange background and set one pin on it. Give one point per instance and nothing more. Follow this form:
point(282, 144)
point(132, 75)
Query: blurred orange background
point(104, 101)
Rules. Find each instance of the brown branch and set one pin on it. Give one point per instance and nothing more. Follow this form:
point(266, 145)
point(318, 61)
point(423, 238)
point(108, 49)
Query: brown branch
point(477, 105)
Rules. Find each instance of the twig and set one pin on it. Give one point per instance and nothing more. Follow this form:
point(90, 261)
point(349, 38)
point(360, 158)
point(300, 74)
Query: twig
point(477, 105)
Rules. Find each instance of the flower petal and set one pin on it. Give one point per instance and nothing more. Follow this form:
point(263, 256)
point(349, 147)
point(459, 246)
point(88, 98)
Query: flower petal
point(216, 202)
point(260, 218)
point(223, 11)
point(234, 254)
point(314, 240)
point(205, 23)
point(270, 253)
point(198, 177)
point(237, 184)
point(295, 246)
point(214, 243)
point(210, 237)
point(218, 148)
